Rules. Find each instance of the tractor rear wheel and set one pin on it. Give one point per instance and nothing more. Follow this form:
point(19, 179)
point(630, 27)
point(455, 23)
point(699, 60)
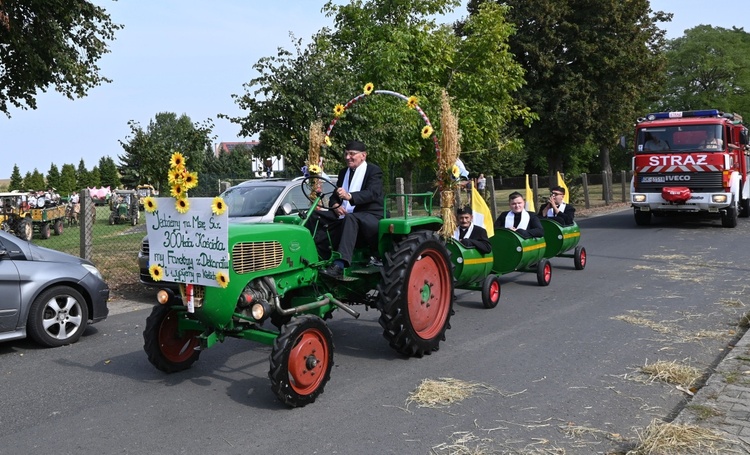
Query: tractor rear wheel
point(301, 360)
point(416, 294)
point(168, 349)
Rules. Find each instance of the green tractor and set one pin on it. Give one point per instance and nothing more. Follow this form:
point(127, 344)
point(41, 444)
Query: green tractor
point(123, 207)
point(277, 295)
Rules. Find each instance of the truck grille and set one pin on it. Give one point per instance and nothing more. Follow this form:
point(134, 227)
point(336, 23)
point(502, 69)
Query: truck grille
point(696, 181)
point(255, 256)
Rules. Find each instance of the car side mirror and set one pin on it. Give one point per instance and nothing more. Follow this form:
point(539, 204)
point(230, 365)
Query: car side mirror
point(285, 209)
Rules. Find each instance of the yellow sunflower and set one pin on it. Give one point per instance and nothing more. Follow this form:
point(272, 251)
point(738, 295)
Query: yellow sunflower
point(327, 141)
point(191, 180)
point(177, 191)
point(314, 169)
point(426, 132)
point(149, 204)
point(455, 171)
point(156, 272)
point(412, 102)
point(338, 110)
point(176, 175)
point(177, 160)
point(182, 205)
point(218, 206)
point(222, 279)
point(369, 88)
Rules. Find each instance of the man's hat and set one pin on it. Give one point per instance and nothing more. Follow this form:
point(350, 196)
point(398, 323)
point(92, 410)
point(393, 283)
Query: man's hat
point(355, 146)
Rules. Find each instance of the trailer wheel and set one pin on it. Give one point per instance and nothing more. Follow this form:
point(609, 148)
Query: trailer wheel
point(491, 291)
point(301, 360)
point(44, 230)
point(729, 216)
point(58, 226)
point(169, 350)
point(642, 218)
point(416, 294)
point(544, 272)
point(25, 229)
point(579, 257)
point(744, 208)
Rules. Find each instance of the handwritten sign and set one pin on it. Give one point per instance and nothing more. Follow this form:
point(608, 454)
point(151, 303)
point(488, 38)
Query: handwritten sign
point(191, 247)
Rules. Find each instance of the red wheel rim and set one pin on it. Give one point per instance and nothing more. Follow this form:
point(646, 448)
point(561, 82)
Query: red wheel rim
point(174, 347)
point(429, 294)
point(494, 291)
point(547, 272)
point(308, 362)
point(583, 258)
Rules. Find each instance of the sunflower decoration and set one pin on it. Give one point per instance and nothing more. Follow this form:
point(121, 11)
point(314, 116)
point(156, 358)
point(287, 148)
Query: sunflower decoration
point(190, 180)
point(427, 132)
point(338, 110)
point(182, 205)
point(314, 169)
point(156, 272)
point(177, 191)
point(327, 141)
point(412, 102)
point(176, 175)
point(223, 279)
point(149, 204)
point(177, 161)
point(218, 206)
point(369, 87)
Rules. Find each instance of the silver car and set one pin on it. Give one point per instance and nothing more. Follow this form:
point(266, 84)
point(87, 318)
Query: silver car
point(46, 294)
point(253, 201)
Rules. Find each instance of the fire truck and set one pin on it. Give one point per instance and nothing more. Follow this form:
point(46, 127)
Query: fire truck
point(692, 162)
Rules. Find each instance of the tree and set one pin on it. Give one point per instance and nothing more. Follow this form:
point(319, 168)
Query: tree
point(16, 181)
point(68, 181)
point(34, 181)
point(148, 151)
point(53, 176)
point(83, 176)
point(587, 64)
point(708, 67)
point(45, 44)
point(108, 172)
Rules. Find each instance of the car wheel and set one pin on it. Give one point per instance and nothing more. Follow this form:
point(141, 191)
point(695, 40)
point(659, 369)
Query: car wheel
point(58, 317)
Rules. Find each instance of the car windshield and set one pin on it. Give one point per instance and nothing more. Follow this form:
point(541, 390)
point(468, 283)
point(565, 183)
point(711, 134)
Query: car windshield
point(251, 200)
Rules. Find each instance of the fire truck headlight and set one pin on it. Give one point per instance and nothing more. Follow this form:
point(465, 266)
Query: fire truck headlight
point(719, 198)
point(639, 198)
point(261, 311)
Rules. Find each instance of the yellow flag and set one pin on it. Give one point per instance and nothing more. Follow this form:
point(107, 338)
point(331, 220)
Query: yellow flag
point(482, 214)
point(561, 184)
point(529, 196)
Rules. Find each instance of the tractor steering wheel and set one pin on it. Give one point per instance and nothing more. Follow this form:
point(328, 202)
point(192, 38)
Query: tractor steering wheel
point(320, 187)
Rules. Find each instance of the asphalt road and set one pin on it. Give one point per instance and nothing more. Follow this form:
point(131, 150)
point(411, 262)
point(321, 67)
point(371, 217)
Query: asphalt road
point(560, 365)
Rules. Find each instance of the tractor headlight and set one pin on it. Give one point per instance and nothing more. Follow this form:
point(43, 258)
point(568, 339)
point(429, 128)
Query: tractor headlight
point(260, 311)
point(719, 198)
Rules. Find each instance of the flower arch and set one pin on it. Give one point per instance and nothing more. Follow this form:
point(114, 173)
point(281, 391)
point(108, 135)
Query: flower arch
point(411, 101)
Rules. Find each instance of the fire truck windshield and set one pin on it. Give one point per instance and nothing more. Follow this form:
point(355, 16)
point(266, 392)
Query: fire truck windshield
point(682, 138)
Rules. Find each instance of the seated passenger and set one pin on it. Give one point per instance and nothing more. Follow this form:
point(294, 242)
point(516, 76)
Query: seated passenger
point(469, 234)
point(361, 198)
point(654, 143)
point(518, 219)
point(556, 209)
point(712, 142)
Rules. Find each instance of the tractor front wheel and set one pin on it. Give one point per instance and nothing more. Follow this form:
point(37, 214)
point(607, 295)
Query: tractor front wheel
point(416, 294)
point(301, 360)
point(25, 229)
point(168, 349)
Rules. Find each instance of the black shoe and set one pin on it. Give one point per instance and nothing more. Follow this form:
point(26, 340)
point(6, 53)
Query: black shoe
point(334, 271)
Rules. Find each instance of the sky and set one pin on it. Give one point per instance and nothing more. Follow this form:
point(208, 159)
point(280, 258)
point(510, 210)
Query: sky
point(190, 57)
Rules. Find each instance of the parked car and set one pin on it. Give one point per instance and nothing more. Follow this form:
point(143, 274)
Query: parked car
point(253, 201)
point(48, 295)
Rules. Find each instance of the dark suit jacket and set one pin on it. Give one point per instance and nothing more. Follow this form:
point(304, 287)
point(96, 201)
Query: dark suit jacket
point(478, 239)
point(370, 197)
point(534, 229)
point(564, 217)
